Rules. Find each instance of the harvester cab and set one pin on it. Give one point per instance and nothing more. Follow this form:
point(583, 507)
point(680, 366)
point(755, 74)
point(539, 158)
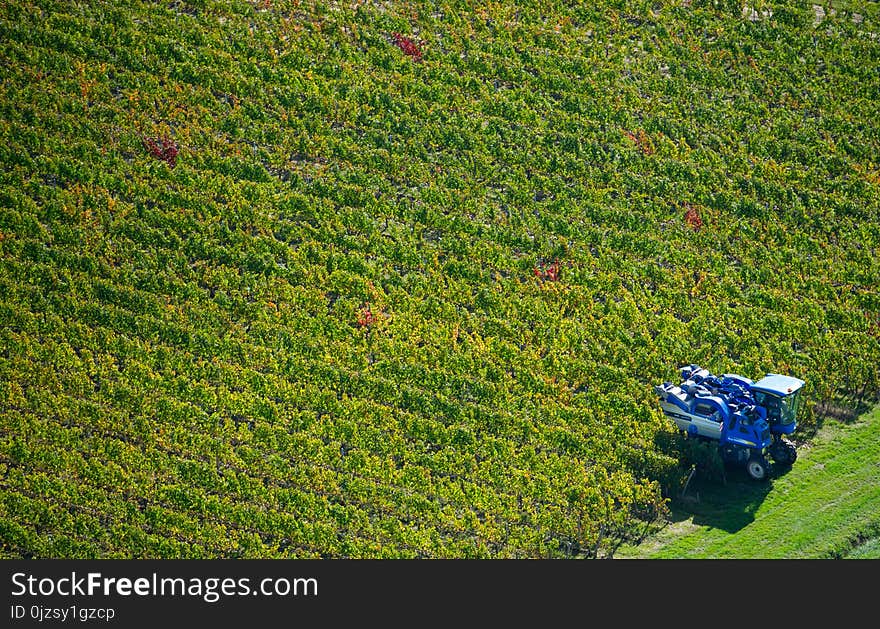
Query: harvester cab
point(781, 397)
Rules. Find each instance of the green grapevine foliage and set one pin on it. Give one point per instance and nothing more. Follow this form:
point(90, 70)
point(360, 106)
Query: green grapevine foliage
point(408, 298)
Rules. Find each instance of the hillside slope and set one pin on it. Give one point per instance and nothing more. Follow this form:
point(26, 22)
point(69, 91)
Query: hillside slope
point(379, 279)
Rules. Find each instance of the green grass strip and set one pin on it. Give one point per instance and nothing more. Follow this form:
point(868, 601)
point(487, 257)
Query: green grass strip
point(826, 506)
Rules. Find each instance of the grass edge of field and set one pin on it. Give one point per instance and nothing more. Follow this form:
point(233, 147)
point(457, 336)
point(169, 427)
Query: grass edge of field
point(842, 456)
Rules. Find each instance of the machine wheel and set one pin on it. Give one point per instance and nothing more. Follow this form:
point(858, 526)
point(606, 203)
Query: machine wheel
point(791, 451)
point(758, 468)
point(783, 453)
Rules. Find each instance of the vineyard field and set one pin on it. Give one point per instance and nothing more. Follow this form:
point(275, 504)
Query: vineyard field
point(307, 279)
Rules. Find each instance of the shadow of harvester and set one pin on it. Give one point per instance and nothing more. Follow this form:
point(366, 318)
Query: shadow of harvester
point(729, 506)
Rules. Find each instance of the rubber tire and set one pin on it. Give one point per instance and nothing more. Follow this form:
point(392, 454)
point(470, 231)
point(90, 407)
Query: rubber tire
point(758, 468)
point(792, 453)
point(779, 453)
point(784, 454)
